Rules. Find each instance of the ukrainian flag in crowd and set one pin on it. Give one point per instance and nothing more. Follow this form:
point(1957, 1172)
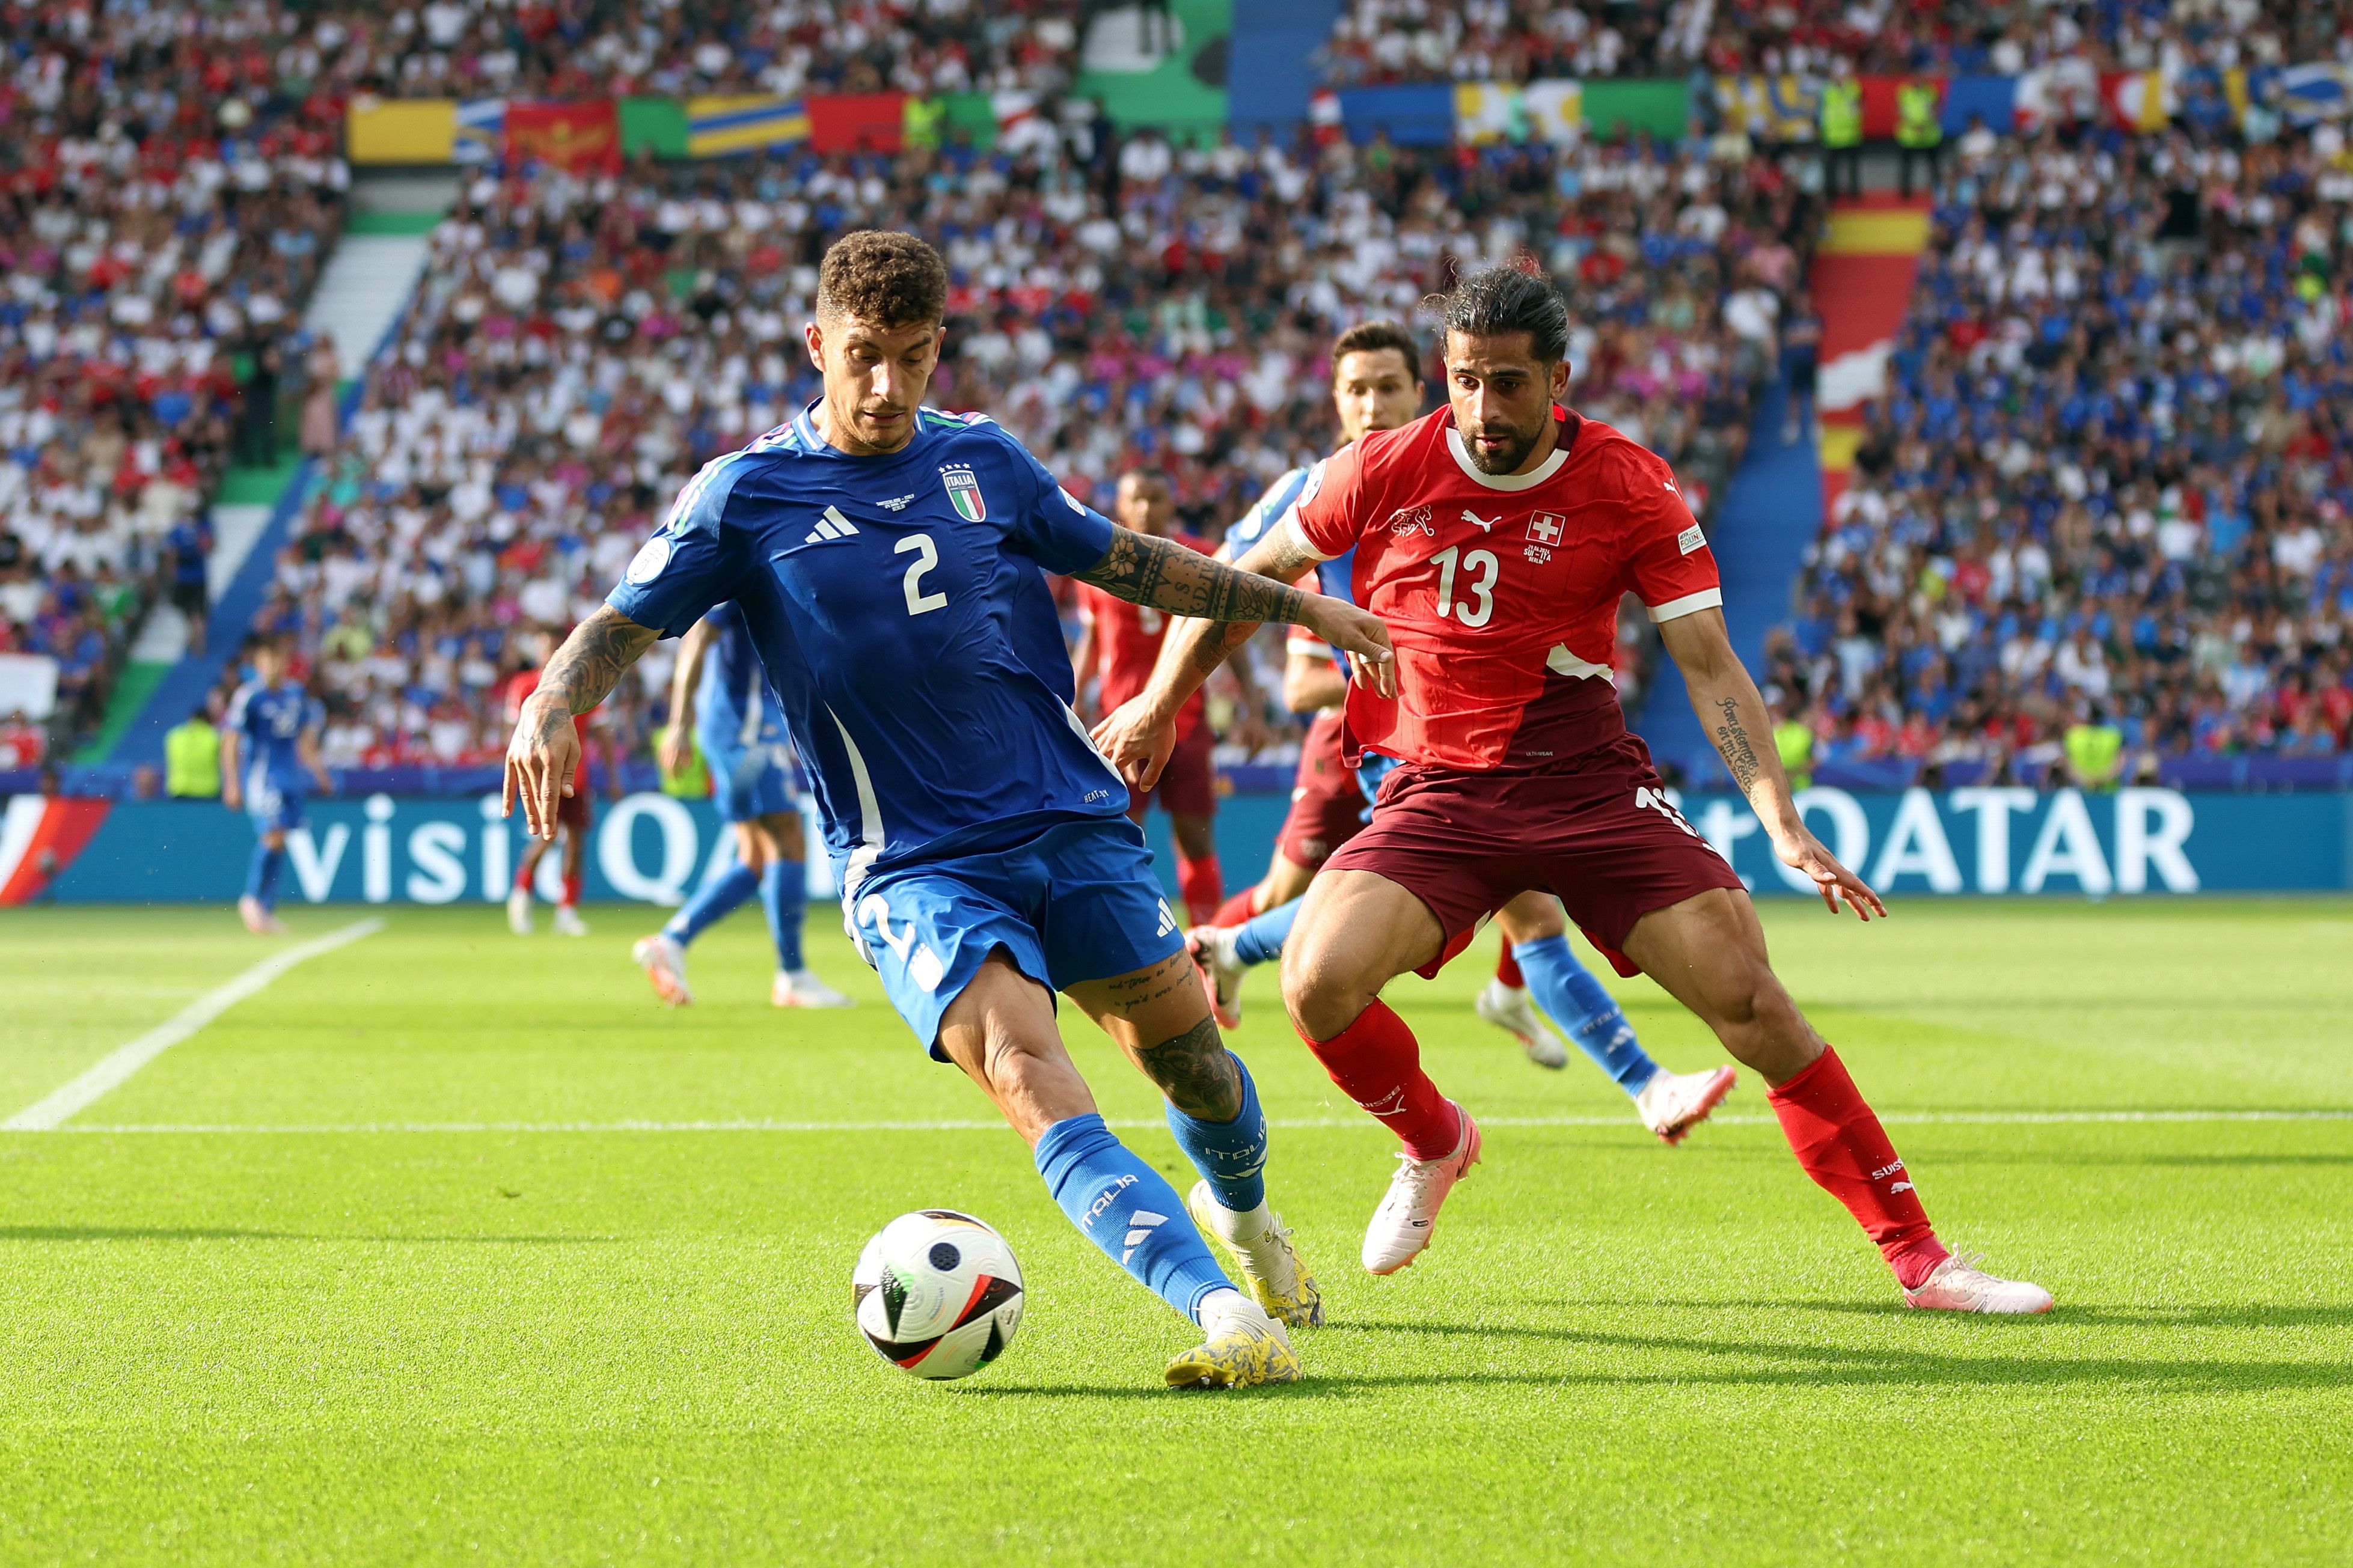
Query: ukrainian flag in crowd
point(738, 124)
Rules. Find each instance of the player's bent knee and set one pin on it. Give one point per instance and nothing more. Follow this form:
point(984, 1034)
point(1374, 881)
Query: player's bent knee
point(1321, 990)
point(1196, 1072)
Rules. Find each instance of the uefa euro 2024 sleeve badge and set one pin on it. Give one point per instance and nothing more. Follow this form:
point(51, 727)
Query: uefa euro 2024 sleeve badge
point(963, 492)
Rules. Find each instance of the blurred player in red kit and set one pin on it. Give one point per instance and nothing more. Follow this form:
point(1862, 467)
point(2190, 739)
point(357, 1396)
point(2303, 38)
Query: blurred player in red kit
point(1495, 537)
point(573, 815)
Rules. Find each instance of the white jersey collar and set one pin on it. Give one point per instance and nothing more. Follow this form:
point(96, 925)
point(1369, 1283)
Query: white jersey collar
point(1543, 471)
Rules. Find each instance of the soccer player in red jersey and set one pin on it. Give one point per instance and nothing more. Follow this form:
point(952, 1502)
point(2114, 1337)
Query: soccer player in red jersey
point(1495, 537)
point(1117, 650)
point(572, 813)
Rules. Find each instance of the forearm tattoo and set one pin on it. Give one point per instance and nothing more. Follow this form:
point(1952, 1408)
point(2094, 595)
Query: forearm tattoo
point(1204, 645)
point(583, 671)
point(1165, 575)
point(1197, 1073)
point(1731, 740)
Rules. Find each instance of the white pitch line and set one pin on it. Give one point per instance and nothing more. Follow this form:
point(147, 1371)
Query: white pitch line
point(110, 1070)
point(1956, 1119)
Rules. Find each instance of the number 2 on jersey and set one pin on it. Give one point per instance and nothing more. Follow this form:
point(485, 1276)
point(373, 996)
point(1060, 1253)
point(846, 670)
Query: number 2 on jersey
point(919, 602)
point(1480, 561)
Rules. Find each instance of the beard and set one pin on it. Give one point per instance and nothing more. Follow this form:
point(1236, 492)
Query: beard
point(1499, 461)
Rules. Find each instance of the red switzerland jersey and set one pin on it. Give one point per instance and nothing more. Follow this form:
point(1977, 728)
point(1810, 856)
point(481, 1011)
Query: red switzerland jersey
point(1127, 644)
point(1502, 592)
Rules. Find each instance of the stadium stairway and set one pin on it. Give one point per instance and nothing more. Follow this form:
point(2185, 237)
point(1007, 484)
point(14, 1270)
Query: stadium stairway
point(361, 294)
point(1862, 281)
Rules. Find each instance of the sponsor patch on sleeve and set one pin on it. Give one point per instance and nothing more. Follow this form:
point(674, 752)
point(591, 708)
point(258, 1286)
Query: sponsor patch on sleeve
point(1691, 539)
point(651, 557)
point(1075, 503)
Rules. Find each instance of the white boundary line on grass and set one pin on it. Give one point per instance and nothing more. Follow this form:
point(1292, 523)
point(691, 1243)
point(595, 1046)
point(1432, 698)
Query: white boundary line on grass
point(1956, 1119)
point(111, 1070)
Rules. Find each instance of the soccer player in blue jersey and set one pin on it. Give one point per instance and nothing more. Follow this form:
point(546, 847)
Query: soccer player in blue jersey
point(1377, 385)
point(719, 698)
point(889, 561)
point(270, 758)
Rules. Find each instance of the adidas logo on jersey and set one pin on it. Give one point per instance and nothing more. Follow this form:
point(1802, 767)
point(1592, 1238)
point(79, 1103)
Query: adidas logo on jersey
point(1167, 919)
point(1141, 1224)
point(832, 525)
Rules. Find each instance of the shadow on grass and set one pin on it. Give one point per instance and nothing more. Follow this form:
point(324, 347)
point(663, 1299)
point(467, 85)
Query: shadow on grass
point(199, 1233)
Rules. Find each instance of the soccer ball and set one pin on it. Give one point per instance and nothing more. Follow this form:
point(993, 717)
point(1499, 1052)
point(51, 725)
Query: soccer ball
point(937, 1294)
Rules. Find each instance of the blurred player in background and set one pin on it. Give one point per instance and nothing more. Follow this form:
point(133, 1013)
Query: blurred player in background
point(719, 698)
point(1115, 653)
point(889, 561)
point(1498, 534)
point(270, 758)
point(573, 815)
point(1377, 385)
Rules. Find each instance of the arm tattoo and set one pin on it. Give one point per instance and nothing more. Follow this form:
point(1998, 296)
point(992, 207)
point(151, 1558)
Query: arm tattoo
point(1204, 647)
point(1196, 1072)
point(1165, 575)
point(584, 669)
point(1732, 740)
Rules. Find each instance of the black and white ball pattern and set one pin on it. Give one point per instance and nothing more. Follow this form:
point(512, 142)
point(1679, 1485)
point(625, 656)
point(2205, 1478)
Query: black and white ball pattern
point(938, 1294)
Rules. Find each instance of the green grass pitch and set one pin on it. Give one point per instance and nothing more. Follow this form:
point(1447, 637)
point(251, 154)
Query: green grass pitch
point(407, 1285)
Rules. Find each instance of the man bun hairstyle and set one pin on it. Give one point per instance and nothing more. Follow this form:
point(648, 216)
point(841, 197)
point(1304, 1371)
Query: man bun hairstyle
point(1498, 301)
point(1372, 337)
point(883, 277)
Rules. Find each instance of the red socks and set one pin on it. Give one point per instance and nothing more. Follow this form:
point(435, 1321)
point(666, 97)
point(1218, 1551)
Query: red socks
point(1235, 910)
point(572, 892)
point(1507, 969)
point(1839, 1140)
point(1202, 887)
point(1377, 1064)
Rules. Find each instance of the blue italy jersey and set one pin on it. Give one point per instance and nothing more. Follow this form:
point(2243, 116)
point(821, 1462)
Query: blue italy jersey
point(1334, 578)
point(900, 607)
point(733, 709)
point(270, 721)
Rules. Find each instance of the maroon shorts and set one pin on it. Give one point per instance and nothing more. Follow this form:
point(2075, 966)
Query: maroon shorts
point(1595, 830)
point(1327, 805)
point(572, 811)
point(1189, 786)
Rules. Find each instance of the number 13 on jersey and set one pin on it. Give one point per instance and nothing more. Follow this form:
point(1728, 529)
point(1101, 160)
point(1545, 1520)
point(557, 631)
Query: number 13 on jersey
point(1480, 569)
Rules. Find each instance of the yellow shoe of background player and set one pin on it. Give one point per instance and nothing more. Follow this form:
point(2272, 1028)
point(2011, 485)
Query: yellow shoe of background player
point(1263, 1254)
point(1244, 1346)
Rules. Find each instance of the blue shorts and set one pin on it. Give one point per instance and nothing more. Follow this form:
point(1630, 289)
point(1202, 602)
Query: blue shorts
point(275, 804)
point(1078, 902)
point(752, 782)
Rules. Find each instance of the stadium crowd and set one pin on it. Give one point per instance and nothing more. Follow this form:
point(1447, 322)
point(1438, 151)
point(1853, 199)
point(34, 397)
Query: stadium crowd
point(171, 180)
point(581, 345)
point(1377, 42)
point(2108, 488)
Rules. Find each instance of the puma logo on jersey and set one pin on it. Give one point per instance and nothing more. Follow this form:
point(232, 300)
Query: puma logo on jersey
point(1486, 525)
point(897, 503)
point(832, 525)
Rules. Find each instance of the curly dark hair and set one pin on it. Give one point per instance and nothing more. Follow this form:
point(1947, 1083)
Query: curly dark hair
point(1371, 337)
point(883, 277)
point(1498, 301)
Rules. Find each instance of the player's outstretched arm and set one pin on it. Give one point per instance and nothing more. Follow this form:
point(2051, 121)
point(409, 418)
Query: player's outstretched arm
point(1733, 713)
point(1227, 605)
point(545, 751)
point(678, 743)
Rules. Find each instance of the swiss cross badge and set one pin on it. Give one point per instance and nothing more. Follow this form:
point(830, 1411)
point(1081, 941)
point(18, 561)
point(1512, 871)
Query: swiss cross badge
point(1547, 527)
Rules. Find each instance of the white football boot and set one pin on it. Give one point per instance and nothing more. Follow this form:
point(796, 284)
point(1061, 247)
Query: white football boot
point(1242, 1345)
point(519, 912)
point(1401, 1226)
point(1508, 1008)
point(664, 963)
point(258, 921)
point(568, 921)
point(802, 988)
point(1263, 1254)
point(1673, 1103)
point(1212, 948)
point(1959, 1286)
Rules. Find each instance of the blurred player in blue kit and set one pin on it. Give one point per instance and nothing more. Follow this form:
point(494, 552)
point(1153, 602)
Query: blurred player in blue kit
point(889, 561)
point(719, 699)
point(270, 759)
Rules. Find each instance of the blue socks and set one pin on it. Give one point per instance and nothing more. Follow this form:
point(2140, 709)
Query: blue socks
point(783, 894)
point(261, 874)
point(1125, 1207)
point(1259, 939)
point(1231, 1154)
point(1590, 1015)
point(711, 903)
